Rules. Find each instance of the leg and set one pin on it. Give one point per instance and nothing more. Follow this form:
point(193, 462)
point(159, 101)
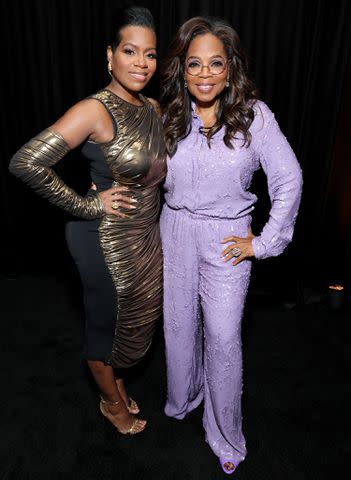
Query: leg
point(114, 407)
point(223, 291)
point(100, 308)
point(181, 315)
point(130, 403)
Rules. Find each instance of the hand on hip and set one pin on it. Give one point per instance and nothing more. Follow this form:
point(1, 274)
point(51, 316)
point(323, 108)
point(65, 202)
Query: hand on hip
point(240, 249)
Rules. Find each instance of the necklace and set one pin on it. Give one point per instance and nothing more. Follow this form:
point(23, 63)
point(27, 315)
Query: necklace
point(204, 130)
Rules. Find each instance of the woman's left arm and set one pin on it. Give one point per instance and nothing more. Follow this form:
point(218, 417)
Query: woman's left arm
point(284, 180)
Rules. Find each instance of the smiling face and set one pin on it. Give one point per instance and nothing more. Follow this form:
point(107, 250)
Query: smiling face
point(134, 60)
point(206, 50)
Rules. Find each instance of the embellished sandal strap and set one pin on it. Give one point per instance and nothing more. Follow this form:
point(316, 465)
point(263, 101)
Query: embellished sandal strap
point(131, 430)
point(108, 402)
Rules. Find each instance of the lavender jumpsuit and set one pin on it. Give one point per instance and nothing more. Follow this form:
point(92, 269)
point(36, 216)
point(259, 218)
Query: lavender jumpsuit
point(207, 199)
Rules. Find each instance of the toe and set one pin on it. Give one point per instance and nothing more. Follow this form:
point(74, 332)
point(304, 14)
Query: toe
point(137, 426)
point(229, 466)
point(133, 406)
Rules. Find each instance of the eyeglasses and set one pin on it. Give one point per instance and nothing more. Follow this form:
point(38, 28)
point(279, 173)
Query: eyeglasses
point(216, 67)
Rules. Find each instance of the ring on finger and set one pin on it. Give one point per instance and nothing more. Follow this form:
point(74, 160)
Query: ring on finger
point(115, 205)
point(236, 252)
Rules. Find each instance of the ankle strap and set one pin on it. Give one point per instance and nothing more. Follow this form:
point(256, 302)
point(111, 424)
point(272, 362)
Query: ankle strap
point(108, 402)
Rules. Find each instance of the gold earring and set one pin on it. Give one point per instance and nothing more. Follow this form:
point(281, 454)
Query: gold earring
point(109, 68)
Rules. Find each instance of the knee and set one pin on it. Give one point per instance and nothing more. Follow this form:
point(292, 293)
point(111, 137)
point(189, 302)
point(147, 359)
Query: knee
point(224, 342)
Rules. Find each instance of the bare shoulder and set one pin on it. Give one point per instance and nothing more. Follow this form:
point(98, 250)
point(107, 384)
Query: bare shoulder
point(156, 105)
point(80, 121)
point(86, 111)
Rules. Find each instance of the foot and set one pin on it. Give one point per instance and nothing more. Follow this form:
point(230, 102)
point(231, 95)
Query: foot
point(118, 414)
point(228, 466)
point(130, 403)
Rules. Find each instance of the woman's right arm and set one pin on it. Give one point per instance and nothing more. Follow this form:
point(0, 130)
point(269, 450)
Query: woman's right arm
point(32, 163)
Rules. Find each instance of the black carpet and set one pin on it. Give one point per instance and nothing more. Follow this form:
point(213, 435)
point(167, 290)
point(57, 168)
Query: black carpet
point(296, 396)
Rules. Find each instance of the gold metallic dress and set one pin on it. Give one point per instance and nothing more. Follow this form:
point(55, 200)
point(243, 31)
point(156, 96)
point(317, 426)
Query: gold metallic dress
point(119, 259)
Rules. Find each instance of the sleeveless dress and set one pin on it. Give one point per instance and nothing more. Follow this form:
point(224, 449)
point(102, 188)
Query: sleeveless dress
point(120, 259)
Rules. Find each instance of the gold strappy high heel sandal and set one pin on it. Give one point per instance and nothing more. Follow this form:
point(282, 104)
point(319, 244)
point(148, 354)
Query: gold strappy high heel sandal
point(133, 430)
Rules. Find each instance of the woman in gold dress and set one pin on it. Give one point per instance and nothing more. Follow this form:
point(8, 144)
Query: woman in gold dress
point(115, 243)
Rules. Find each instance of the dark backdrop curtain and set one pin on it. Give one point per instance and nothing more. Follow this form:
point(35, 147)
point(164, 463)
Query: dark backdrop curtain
point(54, 55)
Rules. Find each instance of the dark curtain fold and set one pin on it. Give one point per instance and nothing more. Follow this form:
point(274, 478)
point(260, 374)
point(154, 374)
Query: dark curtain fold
point(54, 55)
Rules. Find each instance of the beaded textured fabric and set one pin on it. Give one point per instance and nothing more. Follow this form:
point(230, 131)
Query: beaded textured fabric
point(208, 199)
point(215, 181)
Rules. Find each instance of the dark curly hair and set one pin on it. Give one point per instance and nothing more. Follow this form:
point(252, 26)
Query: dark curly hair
point(235, 109)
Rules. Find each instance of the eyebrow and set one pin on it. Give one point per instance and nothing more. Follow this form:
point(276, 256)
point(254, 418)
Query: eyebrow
point(213, 56)
point(129, 44)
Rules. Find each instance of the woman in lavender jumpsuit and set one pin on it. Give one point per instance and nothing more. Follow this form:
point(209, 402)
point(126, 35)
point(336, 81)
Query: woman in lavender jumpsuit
point(206, 94)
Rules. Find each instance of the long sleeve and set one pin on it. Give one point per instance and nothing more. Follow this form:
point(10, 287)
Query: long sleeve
point(284, 186)
point(32, 163)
